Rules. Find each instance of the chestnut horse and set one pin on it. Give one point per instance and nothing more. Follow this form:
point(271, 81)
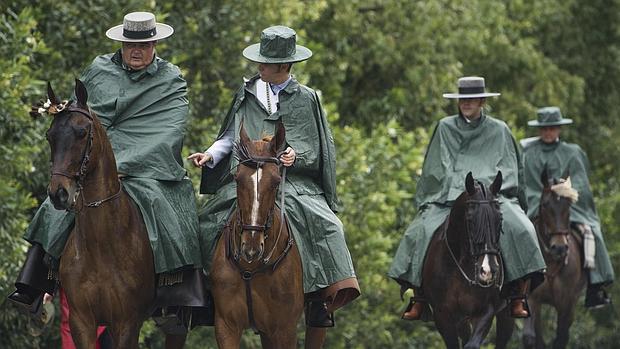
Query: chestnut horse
point(106, 267)
point(562, 251)
point(256, 272)
point(463, 270)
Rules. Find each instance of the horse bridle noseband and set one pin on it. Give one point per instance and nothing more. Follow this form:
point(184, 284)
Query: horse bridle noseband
point(248, 275)
point(79, 176)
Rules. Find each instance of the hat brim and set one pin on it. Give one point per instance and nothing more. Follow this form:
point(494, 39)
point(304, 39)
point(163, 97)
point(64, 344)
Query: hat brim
point(116, 33)
point(535, 123)
point(475, 95)
point(252, 53)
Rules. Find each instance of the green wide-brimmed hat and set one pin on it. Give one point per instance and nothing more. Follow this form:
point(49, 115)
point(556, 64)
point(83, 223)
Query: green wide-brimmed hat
point(549, 116)
point(277, 45)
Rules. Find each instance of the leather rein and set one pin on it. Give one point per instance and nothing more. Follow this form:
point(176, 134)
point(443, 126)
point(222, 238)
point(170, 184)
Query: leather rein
point(233, 252)
point(79, 176)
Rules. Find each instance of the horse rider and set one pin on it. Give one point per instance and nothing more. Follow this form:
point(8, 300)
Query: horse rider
point(561, 158)
point(272, 96)
point(141, 100)
point(470, 141)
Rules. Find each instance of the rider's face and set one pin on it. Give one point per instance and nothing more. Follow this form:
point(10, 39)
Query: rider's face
point(471, 108)
point(549, 134)
point(138, 55)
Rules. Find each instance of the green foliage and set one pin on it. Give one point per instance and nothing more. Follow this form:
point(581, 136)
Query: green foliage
point(381, 67)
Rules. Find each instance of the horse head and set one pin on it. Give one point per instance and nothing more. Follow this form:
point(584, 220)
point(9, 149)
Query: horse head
point(483, 224)
point(554, 213)
point(70, 137)
point(258, 177)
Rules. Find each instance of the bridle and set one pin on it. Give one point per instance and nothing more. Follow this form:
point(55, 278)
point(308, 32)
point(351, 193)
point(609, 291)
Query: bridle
point(544, 238)
point(68, 107)
point(233, 252)
point(498, 281)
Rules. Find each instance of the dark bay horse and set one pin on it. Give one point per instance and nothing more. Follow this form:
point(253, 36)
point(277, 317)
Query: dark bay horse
point(256, 272)
point(463, 270)
point(106, 267)
point(562, 250)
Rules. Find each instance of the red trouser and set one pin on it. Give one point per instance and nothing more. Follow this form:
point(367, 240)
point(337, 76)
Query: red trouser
point(65, 331)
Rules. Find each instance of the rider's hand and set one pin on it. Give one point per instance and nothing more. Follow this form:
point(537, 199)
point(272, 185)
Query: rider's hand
point(288, 157)
point(47, 298)
point(200, 159)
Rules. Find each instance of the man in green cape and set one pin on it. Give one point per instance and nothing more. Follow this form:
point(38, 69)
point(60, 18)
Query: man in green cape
point(470, 141)
point(141, 100)
point(270, 97)
point(560, 158)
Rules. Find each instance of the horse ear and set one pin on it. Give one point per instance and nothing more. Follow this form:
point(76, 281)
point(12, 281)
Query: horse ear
point(566, 173)
point(469, 184)
point(544, 177)
point(51, 95)
point(81, 94)
point(278, 142)
point(497, 183)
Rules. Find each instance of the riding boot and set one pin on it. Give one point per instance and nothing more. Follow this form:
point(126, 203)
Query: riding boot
point(182, 301)
point(35, 279)
point(596, 297)
point(418, 308)
point(518, 300)
point(317, 314)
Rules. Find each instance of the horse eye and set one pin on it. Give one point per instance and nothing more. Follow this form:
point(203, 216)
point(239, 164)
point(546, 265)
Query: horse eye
point(80, 132)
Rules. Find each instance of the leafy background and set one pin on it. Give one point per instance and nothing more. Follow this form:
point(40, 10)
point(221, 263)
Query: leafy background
point(381, 67)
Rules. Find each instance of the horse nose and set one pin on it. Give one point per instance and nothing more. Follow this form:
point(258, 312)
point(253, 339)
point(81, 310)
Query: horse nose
point(559, 250)
point(59, 198)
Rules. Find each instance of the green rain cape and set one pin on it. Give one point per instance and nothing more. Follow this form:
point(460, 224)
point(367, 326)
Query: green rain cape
point(145, 114)
point(562, 158)
point(310, 183)
point(484, 147)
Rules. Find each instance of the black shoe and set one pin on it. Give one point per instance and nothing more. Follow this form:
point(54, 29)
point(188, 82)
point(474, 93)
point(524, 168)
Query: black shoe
point(22, 298)
point(596, 297)
point(317, 315)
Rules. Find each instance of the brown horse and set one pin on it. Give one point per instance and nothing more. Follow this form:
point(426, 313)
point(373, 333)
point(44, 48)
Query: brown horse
point(256, 272)
point(463, 270)
point(565, 276)
point(106, 267)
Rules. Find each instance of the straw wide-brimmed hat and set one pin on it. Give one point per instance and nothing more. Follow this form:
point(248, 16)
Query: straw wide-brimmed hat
point(139, 27)
point(549, 116)
point(471, 87)
point(277, 45)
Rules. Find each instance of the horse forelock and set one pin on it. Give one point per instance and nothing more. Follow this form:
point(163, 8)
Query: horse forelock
point(483, 217)
point(564, 189)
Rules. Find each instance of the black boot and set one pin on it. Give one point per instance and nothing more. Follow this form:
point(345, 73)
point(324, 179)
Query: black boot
point(596, 297)
point(317, 314)
point(183, 303)
point(35, 279)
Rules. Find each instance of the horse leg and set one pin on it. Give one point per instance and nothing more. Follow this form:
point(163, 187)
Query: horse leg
point(447, 328)
point(564, 321)
point(227, 337)
point(83, 330)
point(175, 341)
point(531, 332)
point(482, 325)
point(504, 327)
point(315, 337)
point(125, 335)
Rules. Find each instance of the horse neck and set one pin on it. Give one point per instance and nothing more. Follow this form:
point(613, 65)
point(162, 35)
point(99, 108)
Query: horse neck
point(101, 180)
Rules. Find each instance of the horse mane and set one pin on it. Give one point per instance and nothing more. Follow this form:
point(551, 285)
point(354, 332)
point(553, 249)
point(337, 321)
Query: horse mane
point(564, 189)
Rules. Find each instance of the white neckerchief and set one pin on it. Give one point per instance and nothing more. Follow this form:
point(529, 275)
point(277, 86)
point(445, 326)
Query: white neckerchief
point(262, 89)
